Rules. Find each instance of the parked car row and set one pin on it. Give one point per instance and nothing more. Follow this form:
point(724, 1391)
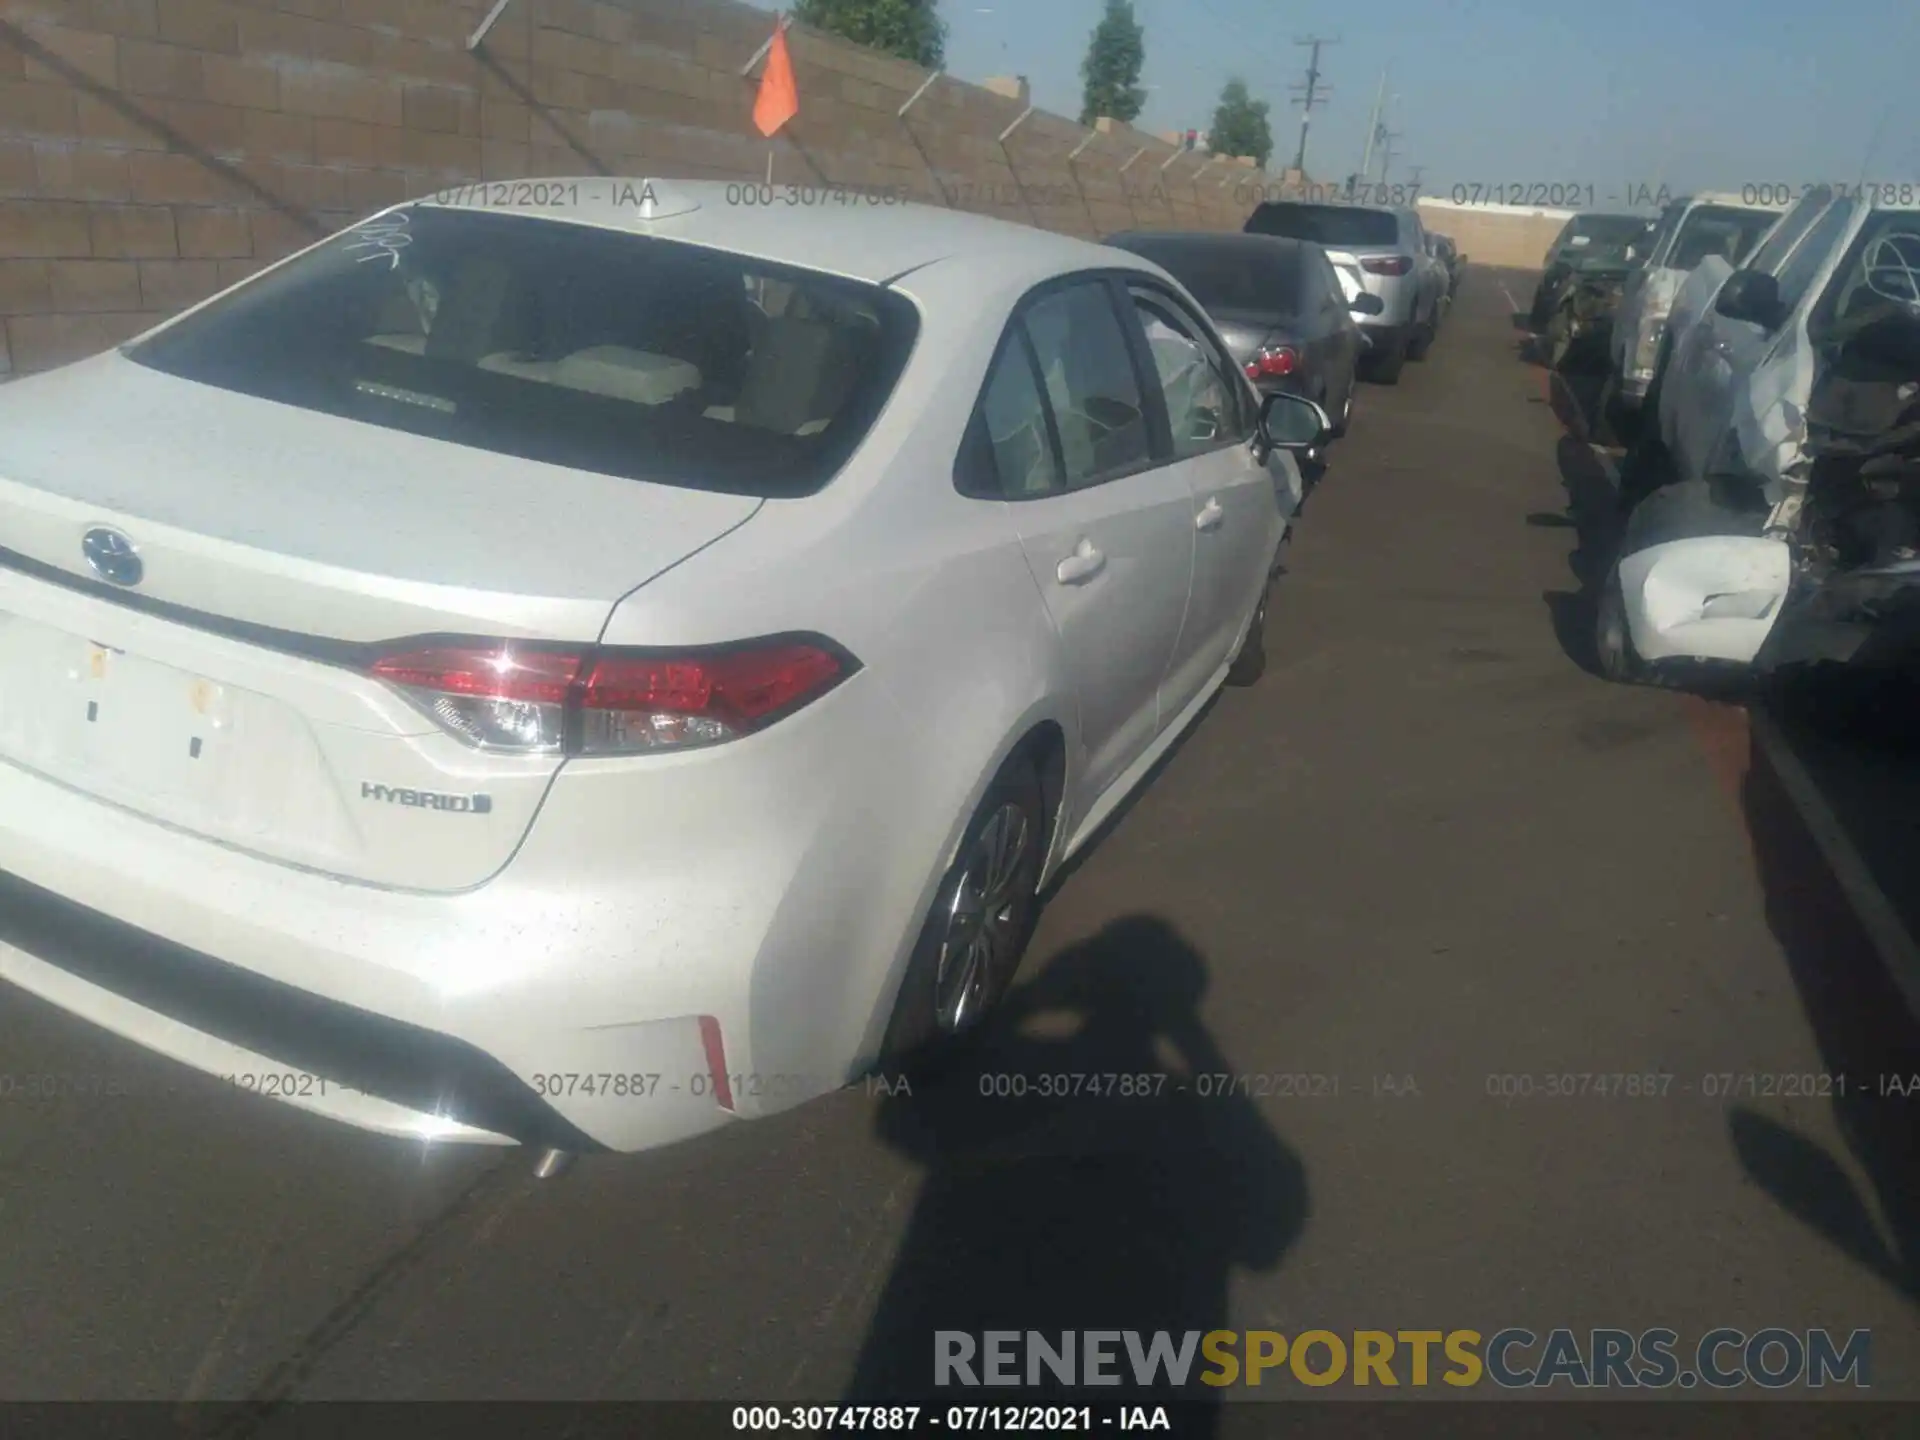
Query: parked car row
point(1388, 249)
point(1771, 500)
point(1279, 305)
point(584, 674)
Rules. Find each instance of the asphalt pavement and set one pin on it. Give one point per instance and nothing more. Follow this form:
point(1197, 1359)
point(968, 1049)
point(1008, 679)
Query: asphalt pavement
point(1427, 862)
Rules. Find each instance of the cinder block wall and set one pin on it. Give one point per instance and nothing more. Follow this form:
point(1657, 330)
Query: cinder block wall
point(154, 151)
point(1508, 239)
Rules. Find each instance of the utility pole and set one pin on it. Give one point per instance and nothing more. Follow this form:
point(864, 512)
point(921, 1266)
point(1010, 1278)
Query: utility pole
point(1418, 171)
point(1310, 93)
point(1374, 130)
point(1387, 137)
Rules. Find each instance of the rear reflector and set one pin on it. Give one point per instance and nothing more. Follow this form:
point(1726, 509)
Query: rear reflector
point(716, 1053)
point(499, 697)
point(1273, 360)
point(1388, 265)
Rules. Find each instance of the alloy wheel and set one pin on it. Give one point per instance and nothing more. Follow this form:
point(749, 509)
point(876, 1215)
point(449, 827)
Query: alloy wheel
point(983, 916)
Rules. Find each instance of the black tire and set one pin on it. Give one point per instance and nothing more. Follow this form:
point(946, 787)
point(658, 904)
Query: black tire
point(1423, 338)
point(920, 1040)
point(1345, 421)
point(1384, 365)
point(1251, 661)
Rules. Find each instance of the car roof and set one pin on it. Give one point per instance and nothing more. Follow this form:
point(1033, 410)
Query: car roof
point(847, 231)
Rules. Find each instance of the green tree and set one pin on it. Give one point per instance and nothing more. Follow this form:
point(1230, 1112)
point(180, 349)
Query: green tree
point(911, 29)
point(1112, 68)
point(1240, 125)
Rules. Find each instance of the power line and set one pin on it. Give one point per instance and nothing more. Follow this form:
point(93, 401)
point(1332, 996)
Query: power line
point(1311, 93)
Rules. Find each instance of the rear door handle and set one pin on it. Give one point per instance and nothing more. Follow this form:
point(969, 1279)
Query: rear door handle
point(1210, 516)
point(1081, 566)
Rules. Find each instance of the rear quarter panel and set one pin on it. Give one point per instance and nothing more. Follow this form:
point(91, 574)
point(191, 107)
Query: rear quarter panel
point(931, 592)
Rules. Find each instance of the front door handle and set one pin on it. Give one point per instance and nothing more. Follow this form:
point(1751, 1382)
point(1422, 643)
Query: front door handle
point(1210, 516)
point(1081, 566)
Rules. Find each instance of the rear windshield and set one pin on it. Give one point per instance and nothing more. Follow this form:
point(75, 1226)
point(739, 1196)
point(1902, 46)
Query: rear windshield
point(1226, 275)
point(594, 349)
point(1340, 227)
point(1724, 230)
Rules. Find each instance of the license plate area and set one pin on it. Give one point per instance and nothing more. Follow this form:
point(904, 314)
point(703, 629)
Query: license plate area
point(181, 746)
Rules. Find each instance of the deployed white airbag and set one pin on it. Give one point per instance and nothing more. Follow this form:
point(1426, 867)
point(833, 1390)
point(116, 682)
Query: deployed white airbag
point(1712, 597)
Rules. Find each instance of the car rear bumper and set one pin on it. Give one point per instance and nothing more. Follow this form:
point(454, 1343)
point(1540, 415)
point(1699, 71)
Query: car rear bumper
point(606, 989)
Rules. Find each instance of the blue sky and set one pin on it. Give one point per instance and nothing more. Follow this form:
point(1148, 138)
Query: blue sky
point(1609, 93)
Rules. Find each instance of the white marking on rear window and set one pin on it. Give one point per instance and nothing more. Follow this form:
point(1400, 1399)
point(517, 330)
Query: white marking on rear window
point(384, 235)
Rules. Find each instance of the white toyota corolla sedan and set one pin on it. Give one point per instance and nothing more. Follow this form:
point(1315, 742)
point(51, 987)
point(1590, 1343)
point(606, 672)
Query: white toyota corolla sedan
point(581, 670)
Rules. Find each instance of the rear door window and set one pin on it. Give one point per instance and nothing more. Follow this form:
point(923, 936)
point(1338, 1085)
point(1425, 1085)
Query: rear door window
point(1198, 383)
point(1012, 452)
point(576, 345)
point(1086, 366)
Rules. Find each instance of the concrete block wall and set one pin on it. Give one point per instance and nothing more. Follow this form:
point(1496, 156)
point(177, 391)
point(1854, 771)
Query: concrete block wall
point(155, 151)
point(1501, 236)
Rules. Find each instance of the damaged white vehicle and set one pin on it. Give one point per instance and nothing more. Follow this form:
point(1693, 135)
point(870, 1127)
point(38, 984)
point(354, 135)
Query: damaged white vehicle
point(1690, 231)
point(1786, 526)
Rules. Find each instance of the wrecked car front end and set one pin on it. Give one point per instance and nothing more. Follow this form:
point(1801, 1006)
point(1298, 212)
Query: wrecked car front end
point(1851, 494)
point(1811, 553)
point(1584, 308)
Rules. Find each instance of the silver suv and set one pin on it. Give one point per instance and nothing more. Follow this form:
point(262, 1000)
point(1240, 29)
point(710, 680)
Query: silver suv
point(1388, 247)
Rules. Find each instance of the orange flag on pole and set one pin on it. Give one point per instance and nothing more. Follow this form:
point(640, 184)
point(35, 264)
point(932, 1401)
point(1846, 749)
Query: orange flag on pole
point(779, 100)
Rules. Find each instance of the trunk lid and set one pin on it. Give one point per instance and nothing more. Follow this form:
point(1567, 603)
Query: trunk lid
point(224, 692)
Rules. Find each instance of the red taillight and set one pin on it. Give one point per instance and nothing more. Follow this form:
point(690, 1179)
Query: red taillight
point(499, 697)
point(1273, 360)
point(739, 686)
point(540, 677)
point(1388, 265)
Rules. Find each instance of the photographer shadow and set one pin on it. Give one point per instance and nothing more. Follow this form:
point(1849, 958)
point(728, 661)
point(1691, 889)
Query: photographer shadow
point(1125, 1206)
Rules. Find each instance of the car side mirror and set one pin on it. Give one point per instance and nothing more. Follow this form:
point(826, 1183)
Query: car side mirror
point(1293, 423)
point(1368, 304)
point(1752, 296)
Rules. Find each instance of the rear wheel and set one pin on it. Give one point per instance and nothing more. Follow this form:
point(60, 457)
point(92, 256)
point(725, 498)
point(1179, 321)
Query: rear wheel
point(1423, 337)
point(1251, 661)
point(1386, 361)
point(973, 938)
point(1344, 420)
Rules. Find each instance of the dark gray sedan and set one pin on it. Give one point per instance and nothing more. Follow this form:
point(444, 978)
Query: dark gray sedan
point(1277, 303)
